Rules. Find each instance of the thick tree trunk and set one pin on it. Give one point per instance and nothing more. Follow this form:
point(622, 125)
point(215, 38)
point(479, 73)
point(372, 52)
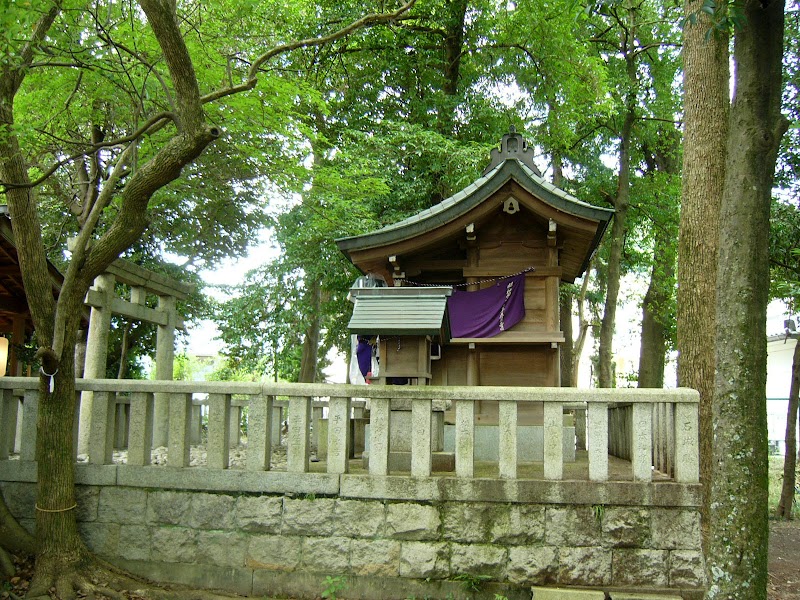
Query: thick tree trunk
point(60, 549)
point(653, 349)
point(786, 503)
point(618, 230)
point(738, 540)
point(705, 124)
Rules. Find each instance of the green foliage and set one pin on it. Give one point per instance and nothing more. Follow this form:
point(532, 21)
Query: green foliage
point(334, 585)
point(599, 511)
point(785, 252)
point(470, 582)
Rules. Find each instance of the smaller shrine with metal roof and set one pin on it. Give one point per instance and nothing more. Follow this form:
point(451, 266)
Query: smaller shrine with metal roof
point(471, 284)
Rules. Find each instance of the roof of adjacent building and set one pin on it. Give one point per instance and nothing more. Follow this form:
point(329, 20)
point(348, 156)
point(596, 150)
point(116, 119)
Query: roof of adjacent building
point(512, 162)
point(399, 310)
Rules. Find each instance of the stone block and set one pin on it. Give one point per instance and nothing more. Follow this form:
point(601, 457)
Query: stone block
point(478, 559)
point(212, 511)
point(88, 499)
point(169, 508)
point(360, 518)
point(221, 548)
point(573, 526)
point(233, 581)
point(375, 557)
point(174, 544)
point(566, 594)
point(518, 524)
point(407, 521)
point(258, 514)
point(308, 516)
point(274, 552)
point(686, 568)
point(588, 566)
point(20, 499)
point(330, 555)
point(126, 506)
point(644, 596)
point(676, 529)
point(472, 522)
point(423, 560)
point(527, 565)
point(101, 538)
point(626, 527)
point(637, 567)
point(134, 542)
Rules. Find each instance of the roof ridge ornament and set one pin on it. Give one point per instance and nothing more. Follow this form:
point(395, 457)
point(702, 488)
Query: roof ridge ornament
point(513, 146)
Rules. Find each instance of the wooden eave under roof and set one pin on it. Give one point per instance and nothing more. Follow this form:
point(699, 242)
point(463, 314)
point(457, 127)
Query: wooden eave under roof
point(580, 225)
point(13, 301)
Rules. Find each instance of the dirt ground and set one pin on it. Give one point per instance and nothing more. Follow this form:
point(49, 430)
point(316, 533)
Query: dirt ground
point(784, 560)
point(783, 584)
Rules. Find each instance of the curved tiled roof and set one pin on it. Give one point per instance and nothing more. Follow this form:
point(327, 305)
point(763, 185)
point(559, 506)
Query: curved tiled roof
point(471, 196)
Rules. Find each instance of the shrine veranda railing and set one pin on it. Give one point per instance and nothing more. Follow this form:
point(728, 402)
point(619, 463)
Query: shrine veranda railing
point(656, 430)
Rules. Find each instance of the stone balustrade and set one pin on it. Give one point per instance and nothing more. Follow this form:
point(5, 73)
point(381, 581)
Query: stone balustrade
point(259, 528)
point(653, 429)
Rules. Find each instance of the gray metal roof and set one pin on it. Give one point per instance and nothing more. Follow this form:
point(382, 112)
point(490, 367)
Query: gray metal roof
point(470, 197)
point(399, 310)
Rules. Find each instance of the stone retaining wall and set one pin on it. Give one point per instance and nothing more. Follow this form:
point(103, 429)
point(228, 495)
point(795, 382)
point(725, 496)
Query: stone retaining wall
point(282, 545)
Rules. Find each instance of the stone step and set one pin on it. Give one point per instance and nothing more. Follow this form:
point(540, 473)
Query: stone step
point(540, 593)
point(642, 596)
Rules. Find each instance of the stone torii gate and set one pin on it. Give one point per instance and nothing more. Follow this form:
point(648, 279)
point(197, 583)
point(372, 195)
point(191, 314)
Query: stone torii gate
point(104, 302)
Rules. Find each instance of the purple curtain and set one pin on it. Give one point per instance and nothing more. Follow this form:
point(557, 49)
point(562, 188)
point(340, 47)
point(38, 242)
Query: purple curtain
point(364, 355)
point(487, 312)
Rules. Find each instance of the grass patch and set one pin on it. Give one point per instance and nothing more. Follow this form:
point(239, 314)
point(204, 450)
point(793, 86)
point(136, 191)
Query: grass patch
point(775, 484)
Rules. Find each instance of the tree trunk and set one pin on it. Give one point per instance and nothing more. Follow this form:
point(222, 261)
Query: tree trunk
point(657, 313)
point(705, 125)
point(739, 532)
point(583, 326)
point(60, 549)
point(565, 316)
point(12, 536)
point(310, 358)
point(122, 371)
point(653, 349)
point(605, 372)
point(786, 503)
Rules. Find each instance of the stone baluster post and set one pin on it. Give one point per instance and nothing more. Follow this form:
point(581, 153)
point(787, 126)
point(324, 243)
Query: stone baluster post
point(140, 433)
point(219, 430)
point(421, 437)
point(507, 431)
point(598, 441)
point(96, 351)
point(553, 440)
point(299, 442)
point(465, 438)
point(165, 358)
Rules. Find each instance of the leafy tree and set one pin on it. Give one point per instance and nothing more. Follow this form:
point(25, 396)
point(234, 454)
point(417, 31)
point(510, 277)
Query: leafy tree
point(114, 59)
point(785, 284)
point(737, 557)
point(705, 130)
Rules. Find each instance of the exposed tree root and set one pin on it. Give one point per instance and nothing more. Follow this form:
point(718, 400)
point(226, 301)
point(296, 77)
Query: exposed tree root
point(99, 580)
point(7, 568)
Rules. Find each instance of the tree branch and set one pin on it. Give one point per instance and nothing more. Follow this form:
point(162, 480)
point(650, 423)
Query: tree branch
point(252, 75)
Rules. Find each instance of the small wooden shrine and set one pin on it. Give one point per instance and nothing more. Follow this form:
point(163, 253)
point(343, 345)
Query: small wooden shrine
point(510, 222)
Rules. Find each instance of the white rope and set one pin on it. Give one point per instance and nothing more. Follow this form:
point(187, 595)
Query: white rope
point(482, 281)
